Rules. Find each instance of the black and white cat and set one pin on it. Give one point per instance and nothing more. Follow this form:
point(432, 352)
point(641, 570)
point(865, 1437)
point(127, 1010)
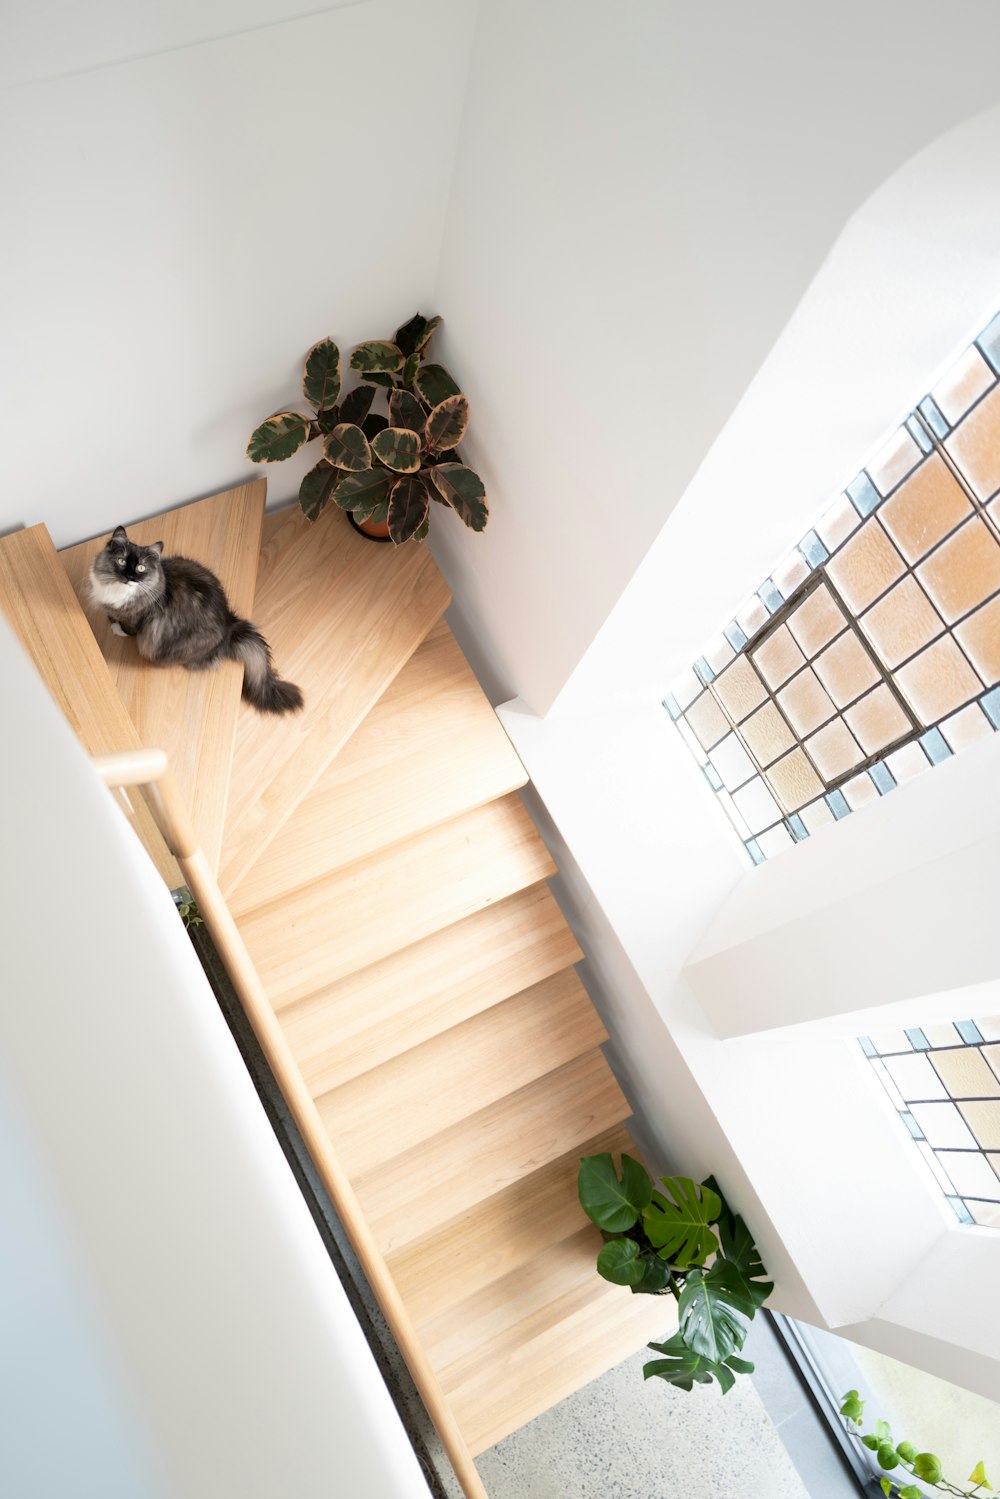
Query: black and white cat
point(180, 616)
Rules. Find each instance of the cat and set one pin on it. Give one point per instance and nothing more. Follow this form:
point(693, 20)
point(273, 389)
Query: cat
point(180, 616)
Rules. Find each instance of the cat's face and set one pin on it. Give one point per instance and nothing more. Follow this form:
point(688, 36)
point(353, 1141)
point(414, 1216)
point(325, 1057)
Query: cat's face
point(121, 561)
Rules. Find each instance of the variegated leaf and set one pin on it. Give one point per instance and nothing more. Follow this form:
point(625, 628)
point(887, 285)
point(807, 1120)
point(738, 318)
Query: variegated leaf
point(398, 448)
point(347, 447)
point(448, 423)
point(464, 491)
point(408, 506)
point(279, 437)
point(377, 357)
point(321, 376)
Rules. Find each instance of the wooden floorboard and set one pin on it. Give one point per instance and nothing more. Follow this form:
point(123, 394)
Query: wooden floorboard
point(192, 715)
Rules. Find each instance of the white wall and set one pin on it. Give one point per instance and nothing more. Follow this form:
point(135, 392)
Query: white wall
point(165, 1287)
point(180, 227)
point(642, 194)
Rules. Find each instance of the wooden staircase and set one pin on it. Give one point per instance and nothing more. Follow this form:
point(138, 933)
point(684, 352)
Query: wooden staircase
point(391, 890)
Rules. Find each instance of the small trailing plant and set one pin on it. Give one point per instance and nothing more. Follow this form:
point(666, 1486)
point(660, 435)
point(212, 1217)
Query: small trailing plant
point(381, 467)
point(187, 908)
point(891, 1456)
point(660, 1244)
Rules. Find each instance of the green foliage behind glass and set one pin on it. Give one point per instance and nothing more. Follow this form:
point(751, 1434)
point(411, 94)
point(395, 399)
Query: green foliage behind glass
point(891, 1455)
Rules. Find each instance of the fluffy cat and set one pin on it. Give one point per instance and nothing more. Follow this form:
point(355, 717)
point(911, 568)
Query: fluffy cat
point(180, 616)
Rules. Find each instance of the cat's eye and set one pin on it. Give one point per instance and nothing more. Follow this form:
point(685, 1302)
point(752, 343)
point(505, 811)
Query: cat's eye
point(140, 567)
point(120, 561)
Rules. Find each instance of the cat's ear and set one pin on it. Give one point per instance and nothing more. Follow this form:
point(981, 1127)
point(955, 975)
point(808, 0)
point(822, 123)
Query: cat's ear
point(155, 546)
point(119, 534)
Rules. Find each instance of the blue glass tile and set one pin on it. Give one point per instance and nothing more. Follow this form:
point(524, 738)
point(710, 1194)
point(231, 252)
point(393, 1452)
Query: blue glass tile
point(737, 639)
point(837, 802)
point(713, 777)
point(989, 342)
point(798, 828)
point(969, 1032)
point(990, 705)
point(935, 746)
point(864, 496)
point(704, 671)
point(961, 1211)
point(883, 778)
point(917, 1039)
point(932, 416)
point(868, 1046)
point(672, 706)
point(753, 849)
point(770, 597)
point(918, 432)
point(813, 549)
point(911, 1124)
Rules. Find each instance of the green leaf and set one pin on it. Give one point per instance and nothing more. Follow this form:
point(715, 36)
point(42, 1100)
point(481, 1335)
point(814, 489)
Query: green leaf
point(448, 423)
point(739, 1248)
point(409, 370)
point(870, 1442)
point(356, 404)
point(398, 448)
point(621, 1262)
point(379, 379)
point(316, 489)
point(321, 376)
point(883, 1431)
point(347, 447)
point(885, 1484)
point(408, 506)
point(888, 1457)
point(713, 1311)
point(406, 411)
point(433, 384)
point(685, 1368)
point(416, 334)
point(679, 1228)
point(927, 1467)
point(655, 1278)
point(910, 1491)
point(978, 1476)
point(612, 1204)
point(377, 358)
point(464, 491)
point(741, 1365)
point(374, 424)
point(369, 488)
point(279, 437)
point(853, 1410)
point(381, 512)
point(907, 1451)
point(327, 420)
point(420, 534)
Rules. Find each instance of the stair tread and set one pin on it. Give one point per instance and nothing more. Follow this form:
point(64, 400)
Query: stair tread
point(422, 1187)
point(430, 748)
point(38, 600)
point(192, 715)
point(460, 1072)
point(401, 1001)
point(357, 915)
point(498, 1235)
point(342, 617)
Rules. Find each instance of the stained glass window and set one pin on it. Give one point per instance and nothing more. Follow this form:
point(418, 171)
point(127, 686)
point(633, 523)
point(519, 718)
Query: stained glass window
point(872, 652)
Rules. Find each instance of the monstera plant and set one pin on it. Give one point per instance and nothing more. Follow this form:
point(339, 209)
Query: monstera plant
point(659, 1244)
point(386, 468)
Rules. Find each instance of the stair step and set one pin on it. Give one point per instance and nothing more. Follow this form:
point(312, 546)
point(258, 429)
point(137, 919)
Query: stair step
point(560, 1357)
point(430, 749)
point(36, 597)
point(354, 917)
point(466, 1254)
point(464, 1070)
point(371, 1016)
point(192, 715)
point(423, 1187)
point(342, 616)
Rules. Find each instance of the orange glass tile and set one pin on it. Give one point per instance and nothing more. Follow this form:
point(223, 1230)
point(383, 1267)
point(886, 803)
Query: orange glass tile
point(964, 570)
point(739, 689)
point(834, 750)
point(877, 720)
point(979, 636)
point(966, 727)
point(817, 620)
point(975, 445)
point(766, 734)
point(924, 509)
point(984, 1121)
point(893, 461)
point(778, 657)
point(805, 702)
point(707, 720)
point(965, 1073)
point(969, 378)
point(794, 781)
point(937, 681)
point(865, 566)
point(901, 622)
point(846, 669)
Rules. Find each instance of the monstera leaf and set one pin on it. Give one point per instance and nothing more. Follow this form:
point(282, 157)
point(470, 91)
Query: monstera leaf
point(316, 489)
point(614, 1205)
point(679, 1224)
point(464, 491)
point(714, 1310)
point(279, 437)
point(321, 376)
point(742, 1253)
point(685, 1368)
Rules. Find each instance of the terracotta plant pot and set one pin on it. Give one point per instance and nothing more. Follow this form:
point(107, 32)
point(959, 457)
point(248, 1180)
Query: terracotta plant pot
point(370, 530)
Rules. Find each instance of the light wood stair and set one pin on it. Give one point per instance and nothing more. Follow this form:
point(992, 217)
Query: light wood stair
point(391, 890)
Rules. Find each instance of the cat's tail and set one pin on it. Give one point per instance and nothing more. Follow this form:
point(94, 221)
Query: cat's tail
point(262, 688)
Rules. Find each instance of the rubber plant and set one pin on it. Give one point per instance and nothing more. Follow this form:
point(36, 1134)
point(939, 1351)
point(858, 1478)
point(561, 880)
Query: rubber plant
point(660, 1244)
point(384, 467)
point(895, 1457)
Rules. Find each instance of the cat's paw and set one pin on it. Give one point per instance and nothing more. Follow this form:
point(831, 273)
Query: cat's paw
point(116, 628)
